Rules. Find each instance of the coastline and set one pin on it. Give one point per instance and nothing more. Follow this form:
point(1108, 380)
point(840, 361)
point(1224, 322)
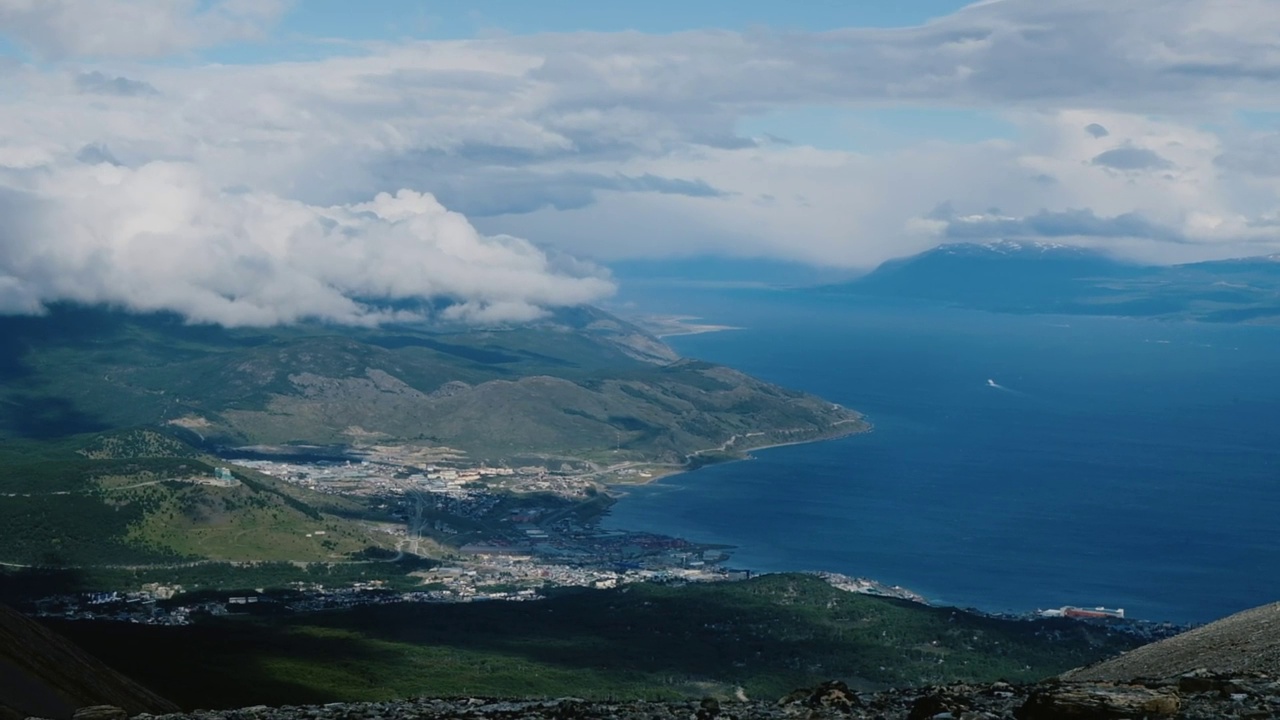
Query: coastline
point(618, 489)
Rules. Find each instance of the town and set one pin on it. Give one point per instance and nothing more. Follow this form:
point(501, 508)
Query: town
point(501, 533)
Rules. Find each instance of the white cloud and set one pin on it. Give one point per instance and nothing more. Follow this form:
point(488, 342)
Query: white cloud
point(160, 237)
point(608, 146)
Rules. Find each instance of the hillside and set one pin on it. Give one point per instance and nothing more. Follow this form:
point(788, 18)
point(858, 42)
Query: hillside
point(766, 635)
point(1010, 276)
point(139, 498)
point(581, 383)
point(1247, 642)
point(44, 675)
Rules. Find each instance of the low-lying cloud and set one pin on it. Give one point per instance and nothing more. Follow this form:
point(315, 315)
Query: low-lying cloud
point(162, 237)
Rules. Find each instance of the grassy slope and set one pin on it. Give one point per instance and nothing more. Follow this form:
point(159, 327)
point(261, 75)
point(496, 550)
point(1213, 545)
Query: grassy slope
point(118, 499)
point(767, 635)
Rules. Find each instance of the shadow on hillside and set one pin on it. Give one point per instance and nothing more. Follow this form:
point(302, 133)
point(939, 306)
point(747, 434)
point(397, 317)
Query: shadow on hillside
point(42, 418)
point(20, 585)
point(229, 663)
point(687, 635)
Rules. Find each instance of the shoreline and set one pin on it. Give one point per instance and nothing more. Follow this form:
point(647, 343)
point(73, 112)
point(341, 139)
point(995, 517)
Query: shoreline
point(746, 455)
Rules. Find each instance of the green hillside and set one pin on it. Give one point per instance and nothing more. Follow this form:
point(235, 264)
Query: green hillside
point(581, 383)
point(131, 498)
point(767, 636)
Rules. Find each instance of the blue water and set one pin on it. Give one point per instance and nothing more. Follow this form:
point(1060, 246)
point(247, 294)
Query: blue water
point(1126, 463)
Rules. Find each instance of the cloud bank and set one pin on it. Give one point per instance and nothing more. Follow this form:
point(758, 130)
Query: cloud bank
point(161, 237)
point(318, 188)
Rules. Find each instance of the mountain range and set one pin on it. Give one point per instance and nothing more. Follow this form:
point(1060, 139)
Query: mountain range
point(1037, 277)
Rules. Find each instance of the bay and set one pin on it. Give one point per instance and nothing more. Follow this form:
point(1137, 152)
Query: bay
point(1017, 461)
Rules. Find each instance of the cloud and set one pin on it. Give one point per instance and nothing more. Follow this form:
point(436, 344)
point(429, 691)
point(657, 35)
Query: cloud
point(1258, 156)
point(97, 82)
point(1130, 158)
point(94, 153)
point(161, 237)
point(612, 146)
point(59, 29)
point(1081, 223)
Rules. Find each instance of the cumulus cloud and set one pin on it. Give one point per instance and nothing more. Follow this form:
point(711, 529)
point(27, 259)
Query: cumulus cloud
point(161, 237)
point(57, 29)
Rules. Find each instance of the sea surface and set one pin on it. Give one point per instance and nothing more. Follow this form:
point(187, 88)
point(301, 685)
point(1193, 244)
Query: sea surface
point(1017, 461)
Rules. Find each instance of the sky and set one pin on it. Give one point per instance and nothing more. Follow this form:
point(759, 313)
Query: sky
point(251, 162)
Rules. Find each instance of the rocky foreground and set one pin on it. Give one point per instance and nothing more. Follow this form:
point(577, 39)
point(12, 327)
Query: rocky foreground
point(1194, 696)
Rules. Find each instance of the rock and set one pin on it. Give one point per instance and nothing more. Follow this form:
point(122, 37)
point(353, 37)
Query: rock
point(707, 709)
point(831, 695)
point(100, 712)
point(953, 701)
point(1103, 702)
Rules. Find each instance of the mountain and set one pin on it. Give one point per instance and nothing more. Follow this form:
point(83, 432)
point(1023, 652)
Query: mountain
point(1244, 643)
point(580, 383)
point(1009, 276)
point(1005, 275)
point(44, 675)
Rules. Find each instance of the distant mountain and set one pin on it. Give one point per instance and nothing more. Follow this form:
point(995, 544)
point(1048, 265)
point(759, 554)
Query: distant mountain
point(44, 675)
point(1009, 276)
point(580, 383)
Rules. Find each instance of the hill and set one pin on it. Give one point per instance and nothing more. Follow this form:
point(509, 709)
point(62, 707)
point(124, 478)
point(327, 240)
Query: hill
point(581, 383)
point(144, 498)
point(1247, 642)
point(1010, 276)
point(44, 675)
point(766, 635)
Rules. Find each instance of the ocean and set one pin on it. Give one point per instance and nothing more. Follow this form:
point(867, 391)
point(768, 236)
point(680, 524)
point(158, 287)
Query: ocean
point(1017, 461)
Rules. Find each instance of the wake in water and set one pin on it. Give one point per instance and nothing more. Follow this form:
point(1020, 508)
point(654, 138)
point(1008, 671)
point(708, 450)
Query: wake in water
point(997, 386)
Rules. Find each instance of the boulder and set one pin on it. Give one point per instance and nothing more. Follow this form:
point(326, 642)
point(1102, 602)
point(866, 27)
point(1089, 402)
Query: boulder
point(100, 712)
point(1100, 702)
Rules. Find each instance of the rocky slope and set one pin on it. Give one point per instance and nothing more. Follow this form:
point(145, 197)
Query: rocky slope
point(1247, 642)
point(43, 674)
point(1253, 697)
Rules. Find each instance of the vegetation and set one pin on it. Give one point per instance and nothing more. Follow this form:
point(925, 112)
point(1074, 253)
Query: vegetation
point(582, 383)
point(23, 586)
point(767, 635)
point(99, 500)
